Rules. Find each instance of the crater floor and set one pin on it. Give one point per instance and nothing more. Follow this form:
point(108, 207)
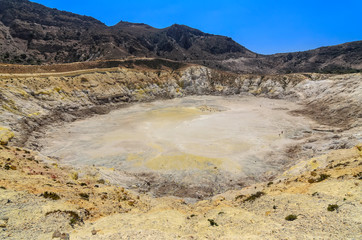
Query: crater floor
point(189, 147)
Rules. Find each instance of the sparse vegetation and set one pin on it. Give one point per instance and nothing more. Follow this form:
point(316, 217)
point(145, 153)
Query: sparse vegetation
point(239, 197)
point(253, 197)
point(51, 195)
point(336, 69)
point(101, 181)
point(341, 164)
point(74, 175)
point(358, 175)
point(74, 217)
point(291, 217)
point(191, 216)
point(322, 177)
point(84, 196)
point(332, 207)
point(7, 166)
point(83, 80)
point(212, 222)
point(311, 180)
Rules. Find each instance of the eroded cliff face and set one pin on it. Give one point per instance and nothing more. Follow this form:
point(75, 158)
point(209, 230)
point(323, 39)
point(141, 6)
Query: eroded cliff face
point(30, 101)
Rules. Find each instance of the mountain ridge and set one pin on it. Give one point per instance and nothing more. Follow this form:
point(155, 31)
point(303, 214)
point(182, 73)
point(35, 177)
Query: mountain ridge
point(31, 33)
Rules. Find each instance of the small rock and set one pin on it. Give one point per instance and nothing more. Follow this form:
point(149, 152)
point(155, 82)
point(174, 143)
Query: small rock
point(94, 232)
point(56, 234)
point(3, 224)
point(64, 236)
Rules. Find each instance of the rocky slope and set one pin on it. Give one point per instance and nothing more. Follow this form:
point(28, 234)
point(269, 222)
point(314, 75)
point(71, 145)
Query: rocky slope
point(31, 33)
point(34, 34)
point(32, 100)
point(343, 58)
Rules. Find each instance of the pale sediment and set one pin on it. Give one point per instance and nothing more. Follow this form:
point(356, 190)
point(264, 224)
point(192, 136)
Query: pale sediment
point(192, 147)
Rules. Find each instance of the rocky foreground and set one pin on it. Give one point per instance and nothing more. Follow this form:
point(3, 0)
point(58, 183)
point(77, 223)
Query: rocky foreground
point(42, 199)
point(319, 198)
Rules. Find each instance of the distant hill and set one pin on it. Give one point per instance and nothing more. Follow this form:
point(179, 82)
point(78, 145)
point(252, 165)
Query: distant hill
point(343, 58)
point(31, 33)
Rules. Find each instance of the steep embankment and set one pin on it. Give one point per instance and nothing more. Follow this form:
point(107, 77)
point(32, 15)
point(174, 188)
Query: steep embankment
point(324, 193)
point(30, 101)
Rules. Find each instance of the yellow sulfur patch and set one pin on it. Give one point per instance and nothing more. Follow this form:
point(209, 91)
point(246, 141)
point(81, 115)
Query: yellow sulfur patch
point(34, 114)
point(313, 163)
point(175, 113)
point(183, 162)
point(5, 135)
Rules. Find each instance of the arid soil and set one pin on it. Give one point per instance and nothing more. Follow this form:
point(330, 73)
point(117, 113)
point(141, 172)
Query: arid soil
point(323, 193)
point(318, 195)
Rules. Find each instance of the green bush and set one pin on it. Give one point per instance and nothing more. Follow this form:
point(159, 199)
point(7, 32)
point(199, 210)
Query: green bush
point(84, 196)
point(322, 177)
point(51, 195)
point(212, 222)
point(253, 197)
point(74, 217)
point(332, 207)
point(291, 217)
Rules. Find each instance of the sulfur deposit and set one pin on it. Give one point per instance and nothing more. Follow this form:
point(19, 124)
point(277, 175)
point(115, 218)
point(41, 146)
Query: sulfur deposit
point(315, 194)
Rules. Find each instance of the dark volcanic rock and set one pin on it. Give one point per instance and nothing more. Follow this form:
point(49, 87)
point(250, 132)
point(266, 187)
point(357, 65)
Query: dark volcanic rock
point(33, 34)
point(343, 58)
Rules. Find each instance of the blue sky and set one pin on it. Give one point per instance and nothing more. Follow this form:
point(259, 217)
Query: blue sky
point(263, 26)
